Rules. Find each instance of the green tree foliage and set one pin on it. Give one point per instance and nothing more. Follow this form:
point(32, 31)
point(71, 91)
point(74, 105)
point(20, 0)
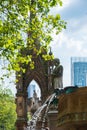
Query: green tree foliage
point(27, 25)
point(7, 109)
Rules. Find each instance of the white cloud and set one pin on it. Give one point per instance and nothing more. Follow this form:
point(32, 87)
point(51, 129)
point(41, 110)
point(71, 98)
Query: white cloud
point(70, 43)
point(84, 52)
point(64, 39)
point(66, 3)
point(57, 9)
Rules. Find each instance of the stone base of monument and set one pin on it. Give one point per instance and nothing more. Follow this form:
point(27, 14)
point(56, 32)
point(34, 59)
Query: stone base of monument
point(72, 110)
point(21, 124)
point(52, 119)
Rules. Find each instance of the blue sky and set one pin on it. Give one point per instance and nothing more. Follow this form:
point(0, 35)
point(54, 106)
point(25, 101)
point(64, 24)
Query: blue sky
point(71, 42)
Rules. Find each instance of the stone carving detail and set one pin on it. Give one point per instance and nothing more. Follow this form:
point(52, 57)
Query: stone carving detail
point(41, 76)
point(72, 117)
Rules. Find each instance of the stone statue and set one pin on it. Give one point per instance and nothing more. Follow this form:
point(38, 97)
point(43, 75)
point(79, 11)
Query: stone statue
point(57, 74)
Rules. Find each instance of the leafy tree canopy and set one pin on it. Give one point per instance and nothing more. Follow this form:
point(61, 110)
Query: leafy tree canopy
point(7, 110)
point(25, 26)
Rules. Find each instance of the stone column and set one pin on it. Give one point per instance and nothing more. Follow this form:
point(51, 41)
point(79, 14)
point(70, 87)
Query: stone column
point(21, 110)
point(52, 119)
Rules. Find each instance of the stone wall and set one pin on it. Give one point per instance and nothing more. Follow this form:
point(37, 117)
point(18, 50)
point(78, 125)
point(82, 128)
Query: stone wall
point(72, 110)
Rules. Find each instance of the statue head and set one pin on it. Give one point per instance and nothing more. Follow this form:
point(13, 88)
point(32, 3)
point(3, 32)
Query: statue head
point(56, 61)
point(58, 69)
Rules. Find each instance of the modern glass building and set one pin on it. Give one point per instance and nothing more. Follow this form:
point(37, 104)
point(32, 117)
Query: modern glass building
point(79, 71)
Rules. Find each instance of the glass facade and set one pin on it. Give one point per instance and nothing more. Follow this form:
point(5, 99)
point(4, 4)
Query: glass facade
point(79, 71)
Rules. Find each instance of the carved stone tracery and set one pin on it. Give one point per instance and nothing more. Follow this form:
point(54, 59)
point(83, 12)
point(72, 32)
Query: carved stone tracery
point(40, 75)
point(43, 75)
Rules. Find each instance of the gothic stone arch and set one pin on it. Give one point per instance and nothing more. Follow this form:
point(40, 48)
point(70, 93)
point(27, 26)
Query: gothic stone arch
point(40, 75)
